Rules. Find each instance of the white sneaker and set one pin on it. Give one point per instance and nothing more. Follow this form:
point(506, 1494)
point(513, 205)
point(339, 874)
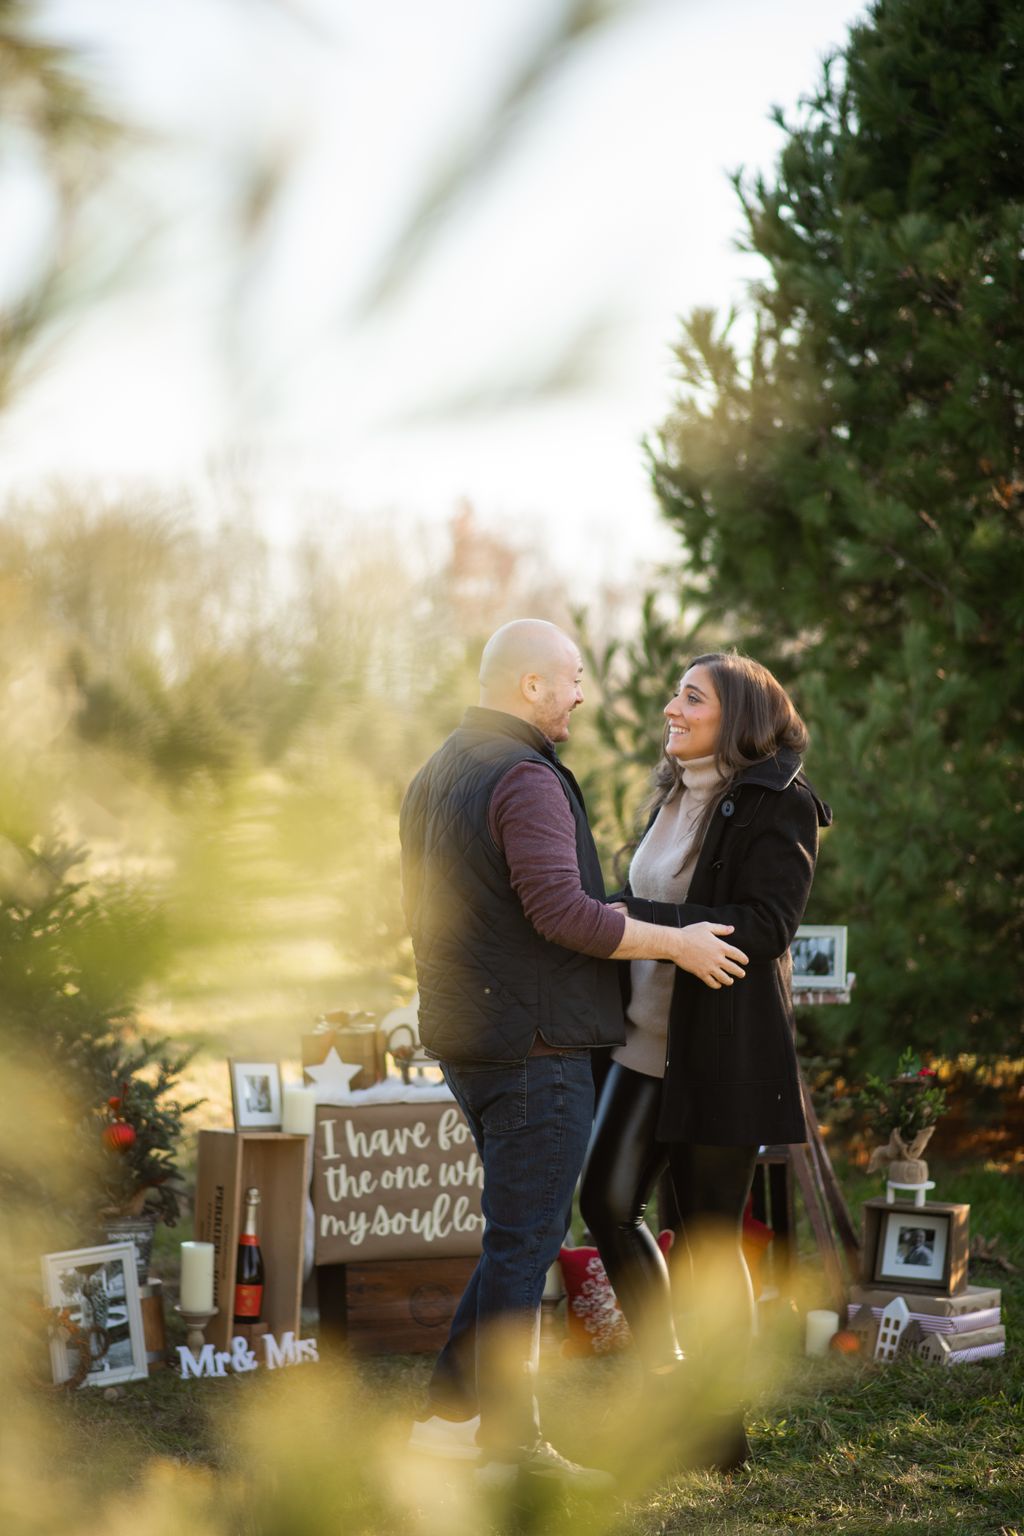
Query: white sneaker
point(542, 1460)
point(454, 1439)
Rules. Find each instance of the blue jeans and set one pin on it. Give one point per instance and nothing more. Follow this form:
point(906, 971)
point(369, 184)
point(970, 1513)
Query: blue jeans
point(531, 1124)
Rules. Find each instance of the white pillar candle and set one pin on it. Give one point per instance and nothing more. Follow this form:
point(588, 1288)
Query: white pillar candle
point(196, 1277)
point(820, 1328)
point(299, 1114)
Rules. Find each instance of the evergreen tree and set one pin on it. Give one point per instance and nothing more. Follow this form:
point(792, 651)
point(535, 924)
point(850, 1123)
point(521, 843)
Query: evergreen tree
point(71, 959)
point(850, 493)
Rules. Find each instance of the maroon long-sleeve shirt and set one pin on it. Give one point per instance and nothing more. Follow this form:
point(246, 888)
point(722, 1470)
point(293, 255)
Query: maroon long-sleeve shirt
point(530, 820)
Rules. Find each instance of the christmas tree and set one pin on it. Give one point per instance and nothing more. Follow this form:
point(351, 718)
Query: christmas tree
point(98, 1092)
point(849, 491)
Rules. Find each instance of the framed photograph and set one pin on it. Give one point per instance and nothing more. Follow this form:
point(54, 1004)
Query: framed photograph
point(819, 958)
point(913, 1248)
point(256, 1095)
point(100, 1289)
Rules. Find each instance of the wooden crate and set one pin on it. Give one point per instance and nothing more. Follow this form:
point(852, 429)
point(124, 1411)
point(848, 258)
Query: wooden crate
point(403, 1306)
point(278, 1164)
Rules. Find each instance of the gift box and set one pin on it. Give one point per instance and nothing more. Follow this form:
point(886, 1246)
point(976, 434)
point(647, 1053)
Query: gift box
point(356, 1039)
point(976, 1307)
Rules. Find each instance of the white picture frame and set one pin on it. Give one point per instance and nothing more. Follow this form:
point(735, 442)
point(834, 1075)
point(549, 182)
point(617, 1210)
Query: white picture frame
point(913, 1248)
point(818, 952)
point(256, 1095)
point(100, 1288)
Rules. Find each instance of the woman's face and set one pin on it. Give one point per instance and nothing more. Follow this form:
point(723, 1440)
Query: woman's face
point(694, 717)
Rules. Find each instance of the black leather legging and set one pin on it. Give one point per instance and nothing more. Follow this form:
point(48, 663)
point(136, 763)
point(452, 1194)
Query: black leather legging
point(624, 1162)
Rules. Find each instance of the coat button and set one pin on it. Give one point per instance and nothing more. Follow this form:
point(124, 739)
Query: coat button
point(728, 807)
point(487, 991)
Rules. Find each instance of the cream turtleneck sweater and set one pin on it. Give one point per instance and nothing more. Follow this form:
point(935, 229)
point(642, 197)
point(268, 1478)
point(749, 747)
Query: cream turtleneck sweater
point(661, 870)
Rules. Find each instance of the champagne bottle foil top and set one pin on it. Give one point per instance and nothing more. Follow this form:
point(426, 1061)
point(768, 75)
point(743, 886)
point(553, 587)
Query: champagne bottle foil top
point(252, 1196)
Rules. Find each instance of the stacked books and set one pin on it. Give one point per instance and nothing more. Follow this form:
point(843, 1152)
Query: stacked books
point(952, 1330)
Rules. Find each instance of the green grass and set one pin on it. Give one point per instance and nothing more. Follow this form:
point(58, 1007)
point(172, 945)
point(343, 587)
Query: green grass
point(850, 1447)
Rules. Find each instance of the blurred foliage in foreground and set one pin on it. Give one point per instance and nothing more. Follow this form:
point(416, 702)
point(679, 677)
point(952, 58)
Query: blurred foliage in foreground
point(908, 1448)
point(850, 497)
point(207, 744)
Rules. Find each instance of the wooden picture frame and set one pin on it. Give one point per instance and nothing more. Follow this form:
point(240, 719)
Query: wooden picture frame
point(916, 1249)
point(912, 1248)
point(100, 1288)
point(256, 1096)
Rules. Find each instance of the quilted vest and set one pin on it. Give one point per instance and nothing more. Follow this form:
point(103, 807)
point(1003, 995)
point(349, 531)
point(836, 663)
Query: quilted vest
point(489, 982)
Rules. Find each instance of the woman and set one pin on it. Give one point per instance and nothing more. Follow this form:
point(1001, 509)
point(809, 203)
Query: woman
point(707, 1074)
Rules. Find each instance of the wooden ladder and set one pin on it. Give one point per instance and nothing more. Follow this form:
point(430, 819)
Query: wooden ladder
point(808, 1167)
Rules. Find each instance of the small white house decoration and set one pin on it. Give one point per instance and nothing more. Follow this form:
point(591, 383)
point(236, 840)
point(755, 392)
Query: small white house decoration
point(894, 1320)
point(863, 1324)
point(911, 1339)
point(936, 1348)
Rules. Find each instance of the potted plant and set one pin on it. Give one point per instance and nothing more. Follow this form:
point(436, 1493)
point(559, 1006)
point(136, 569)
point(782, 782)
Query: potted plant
point(139, 1124)
point(909, 1106)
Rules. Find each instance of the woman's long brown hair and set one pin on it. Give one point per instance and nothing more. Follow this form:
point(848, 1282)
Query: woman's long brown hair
point(758, 718)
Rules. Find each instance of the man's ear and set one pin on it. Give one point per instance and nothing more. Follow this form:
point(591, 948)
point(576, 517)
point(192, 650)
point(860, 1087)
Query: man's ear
point(529, 685)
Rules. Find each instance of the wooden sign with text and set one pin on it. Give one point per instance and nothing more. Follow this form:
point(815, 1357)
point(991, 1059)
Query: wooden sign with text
point(395, 1181)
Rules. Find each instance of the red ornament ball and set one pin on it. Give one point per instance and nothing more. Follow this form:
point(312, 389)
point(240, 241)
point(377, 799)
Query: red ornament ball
point(845, 1343)
point(119, 1136)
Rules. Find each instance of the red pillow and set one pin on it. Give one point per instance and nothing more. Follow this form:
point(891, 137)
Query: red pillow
point(594, 1321)
point(754, 1240)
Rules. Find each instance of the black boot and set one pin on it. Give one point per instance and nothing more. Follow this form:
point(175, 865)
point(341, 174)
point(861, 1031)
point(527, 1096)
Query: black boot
point(666, 1386)
point(726, 1448)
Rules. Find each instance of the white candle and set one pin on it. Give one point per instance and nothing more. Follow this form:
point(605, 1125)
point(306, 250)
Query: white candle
point(299, 1114)
point(820, 1328)
point(196, 1277)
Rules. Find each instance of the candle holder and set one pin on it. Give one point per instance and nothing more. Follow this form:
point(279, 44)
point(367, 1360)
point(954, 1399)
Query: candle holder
point(195, 1323)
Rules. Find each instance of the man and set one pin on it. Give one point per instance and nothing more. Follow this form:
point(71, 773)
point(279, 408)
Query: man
point(504, 898)
point(915, 1243)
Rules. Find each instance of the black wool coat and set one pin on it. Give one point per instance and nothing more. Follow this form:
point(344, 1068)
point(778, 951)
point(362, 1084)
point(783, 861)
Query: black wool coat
point(731, 1076)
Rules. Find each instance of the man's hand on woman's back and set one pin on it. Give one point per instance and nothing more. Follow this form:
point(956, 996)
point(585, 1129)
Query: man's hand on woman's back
point(700, 948)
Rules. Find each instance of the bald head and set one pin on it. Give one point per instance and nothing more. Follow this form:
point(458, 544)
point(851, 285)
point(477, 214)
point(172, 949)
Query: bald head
point(525, 645)
point(530, 669)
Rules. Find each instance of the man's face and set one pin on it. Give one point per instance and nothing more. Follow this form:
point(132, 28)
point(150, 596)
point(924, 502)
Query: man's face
point(557, 694)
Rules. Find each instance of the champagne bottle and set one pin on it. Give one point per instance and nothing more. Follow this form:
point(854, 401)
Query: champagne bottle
point(249, 1270)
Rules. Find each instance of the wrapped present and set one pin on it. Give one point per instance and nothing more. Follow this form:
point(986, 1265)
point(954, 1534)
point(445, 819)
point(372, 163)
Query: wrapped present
point(356, 1039)
point(976, 1307)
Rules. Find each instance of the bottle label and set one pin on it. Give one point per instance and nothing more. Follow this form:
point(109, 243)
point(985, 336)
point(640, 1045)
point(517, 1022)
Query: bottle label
point(248, 1301)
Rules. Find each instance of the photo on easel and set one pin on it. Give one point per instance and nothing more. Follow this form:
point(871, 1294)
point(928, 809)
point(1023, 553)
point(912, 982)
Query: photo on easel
point(818, 953)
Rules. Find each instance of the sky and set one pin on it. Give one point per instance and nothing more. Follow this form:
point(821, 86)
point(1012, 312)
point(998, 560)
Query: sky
point(288, 294)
